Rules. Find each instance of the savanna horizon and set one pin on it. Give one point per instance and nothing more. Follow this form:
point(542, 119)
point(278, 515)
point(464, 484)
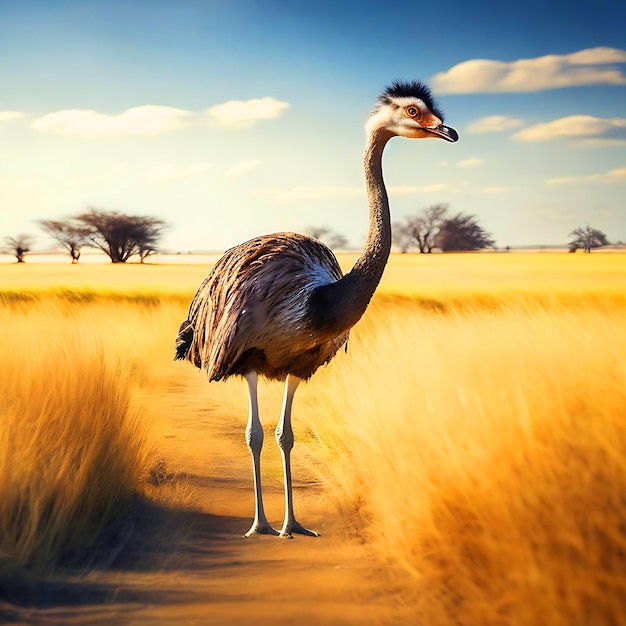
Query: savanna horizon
point(474, 429)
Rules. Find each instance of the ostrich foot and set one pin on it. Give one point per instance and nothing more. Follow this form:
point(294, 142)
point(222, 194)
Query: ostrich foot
point(261, 528)
point(294, 528)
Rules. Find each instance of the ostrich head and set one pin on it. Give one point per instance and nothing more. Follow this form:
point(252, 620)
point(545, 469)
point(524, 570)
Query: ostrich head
point(408, 110)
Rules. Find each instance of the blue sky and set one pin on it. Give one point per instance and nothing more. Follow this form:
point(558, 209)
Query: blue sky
point(234, 118)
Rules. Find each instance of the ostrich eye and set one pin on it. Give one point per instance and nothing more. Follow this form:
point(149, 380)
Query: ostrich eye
point(411, 111)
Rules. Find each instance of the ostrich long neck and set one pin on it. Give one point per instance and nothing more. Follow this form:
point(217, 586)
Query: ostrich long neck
point(368, 270)
point(344, 302)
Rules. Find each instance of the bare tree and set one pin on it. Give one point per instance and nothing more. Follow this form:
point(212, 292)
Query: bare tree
point(121, 236)
point(586, 238)
point(19, 246)
point(70, 234)
point(429, 225)
point(416, 229)
point(332, 239)
point(421, 230)
point(461, 233)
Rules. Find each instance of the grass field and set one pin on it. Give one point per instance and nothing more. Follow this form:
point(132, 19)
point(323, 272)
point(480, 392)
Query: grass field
point(474, 432)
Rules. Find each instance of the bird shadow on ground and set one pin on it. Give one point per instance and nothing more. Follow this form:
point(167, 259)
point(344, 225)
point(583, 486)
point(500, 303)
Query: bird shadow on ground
point(150, 541)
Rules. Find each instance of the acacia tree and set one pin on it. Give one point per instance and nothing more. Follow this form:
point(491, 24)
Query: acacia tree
point(19, 246)
point(70, 234)
point(121, 236)
point(462, 233)
point(587, 238)
point(152, 230)
point(421, 230)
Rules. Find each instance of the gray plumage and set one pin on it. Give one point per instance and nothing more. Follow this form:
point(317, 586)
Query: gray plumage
point(253, 311)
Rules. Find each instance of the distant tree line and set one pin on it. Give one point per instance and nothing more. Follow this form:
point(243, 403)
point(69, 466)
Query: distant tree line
point(434, 227)
point(118, 235)
point(121, 236)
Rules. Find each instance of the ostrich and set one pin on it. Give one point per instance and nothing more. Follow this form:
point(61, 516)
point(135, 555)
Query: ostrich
point(278, 305)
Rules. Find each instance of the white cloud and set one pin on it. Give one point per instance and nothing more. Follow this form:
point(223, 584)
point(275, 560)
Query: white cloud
point(93, 178)
point(612, 176)
point(493, 124)
point(8, 116)
point(147, 120)
point(562, 180)
point(571, 126)
point(469, 163)
point(602, 142)
point(168, 171)
point(592, 66)
point(150, 120)
point(243, 113)
point(597, 56)
point(242, 168)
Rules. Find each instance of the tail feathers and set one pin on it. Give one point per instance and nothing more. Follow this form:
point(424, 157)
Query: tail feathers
point(183, 341)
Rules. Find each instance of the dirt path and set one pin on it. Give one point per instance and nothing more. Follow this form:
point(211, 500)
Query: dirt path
point(194, 567)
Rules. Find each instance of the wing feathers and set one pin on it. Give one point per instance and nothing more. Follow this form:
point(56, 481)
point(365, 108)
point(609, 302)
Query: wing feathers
point(254, 305)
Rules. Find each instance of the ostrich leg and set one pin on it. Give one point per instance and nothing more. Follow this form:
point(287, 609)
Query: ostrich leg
point(254, 439)
point(284, 438)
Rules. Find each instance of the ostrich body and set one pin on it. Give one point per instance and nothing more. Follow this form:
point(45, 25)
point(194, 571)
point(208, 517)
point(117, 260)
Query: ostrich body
point(279, 305)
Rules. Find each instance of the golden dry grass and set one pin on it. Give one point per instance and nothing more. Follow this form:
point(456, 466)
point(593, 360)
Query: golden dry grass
point(72, 448)
point(76, 367)
point(474, 429)
point(487, 453)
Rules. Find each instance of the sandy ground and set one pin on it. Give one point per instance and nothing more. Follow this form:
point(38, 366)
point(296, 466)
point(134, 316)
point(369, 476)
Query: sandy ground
point(193, 566)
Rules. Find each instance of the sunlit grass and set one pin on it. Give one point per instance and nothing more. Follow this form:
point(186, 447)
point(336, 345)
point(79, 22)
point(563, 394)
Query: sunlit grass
point(101, 280)
point(73, 448)
point(485, 451)
point(474, 432)
point(84, 379)
point(434, 276)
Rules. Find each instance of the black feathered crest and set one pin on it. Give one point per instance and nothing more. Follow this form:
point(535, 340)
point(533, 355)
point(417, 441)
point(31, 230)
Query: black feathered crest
point(414, 89)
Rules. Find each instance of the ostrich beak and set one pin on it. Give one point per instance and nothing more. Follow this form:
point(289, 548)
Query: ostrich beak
point(445, 132)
